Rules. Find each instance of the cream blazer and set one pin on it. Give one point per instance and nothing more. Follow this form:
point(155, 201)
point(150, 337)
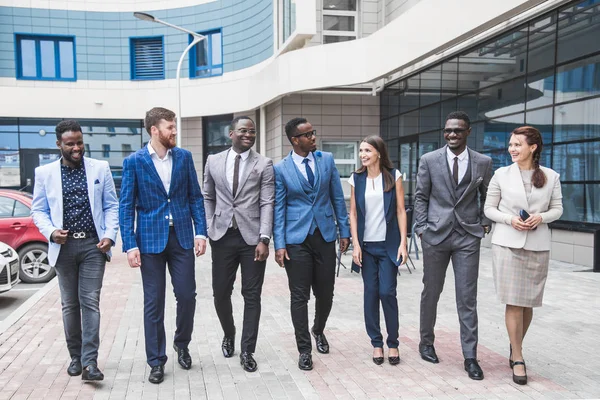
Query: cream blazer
point(506, 197)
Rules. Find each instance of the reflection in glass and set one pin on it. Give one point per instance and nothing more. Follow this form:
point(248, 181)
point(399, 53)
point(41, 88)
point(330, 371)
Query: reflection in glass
point(576, 121)
point(578, 80)
point(394, 128)
point(502, 99)
point(338, 23)
point(448, 106)
point(430, 118)
point(578, 30)
point(431, 86)
point(449, 78)
point(574, 208)
point(429, 142)
point(542, 38)
point(577, 161)
point(497, 61)
point(337, 39)
point(409, 123)
point(394, 103)
point(340, 5)
point(592, 199)
point(497, 132)
point(67, 62)
point(542, 121)
point(9, 137)
point(540, 88)
point(409, 94)
point(10, 174)
point(499, 159)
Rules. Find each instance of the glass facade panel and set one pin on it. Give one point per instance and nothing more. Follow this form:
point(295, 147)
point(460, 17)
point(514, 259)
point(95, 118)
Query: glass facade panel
point(578, 30)
point(67, 63)
point(338, 23)
point(27, 59)
point(578, 80)
point(340, 5)
point(577, 121)
point(545, 73)
point(48, 59)
point(540, 88)
point(9, 136)
point(542, 42)
point(10, 174)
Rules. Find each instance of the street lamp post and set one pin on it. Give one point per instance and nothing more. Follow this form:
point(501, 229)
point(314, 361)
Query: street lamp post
point(197, 38)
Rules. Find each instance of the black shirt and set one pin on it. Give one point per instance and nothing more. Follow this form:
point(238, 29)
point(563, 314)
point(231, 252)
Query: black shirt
point(77, 212)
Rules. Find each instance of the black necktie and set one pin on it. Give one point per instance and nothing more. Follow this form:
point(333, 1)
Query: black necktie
point(455, 170)
point(236, 174)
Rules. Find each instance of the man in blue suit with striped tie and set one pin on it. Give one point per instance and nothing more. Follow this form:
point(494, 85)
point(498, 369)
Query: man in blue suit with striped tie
point(160, 183)
point(308, 201)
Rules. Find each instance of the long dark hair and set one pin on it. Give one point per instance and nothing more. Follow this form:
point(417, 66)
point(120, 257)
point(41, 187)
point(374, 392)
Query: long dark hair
point(533, 136)
point(385, 164)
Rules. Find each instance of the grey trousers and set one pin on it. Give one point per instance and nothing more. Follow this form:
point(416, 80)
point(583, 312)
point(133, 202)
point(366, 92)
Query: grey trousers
point(80, 270)
point(464, 252)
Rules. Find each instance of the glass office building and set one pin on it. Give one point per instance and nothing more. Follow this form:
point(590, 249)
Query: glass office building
point(544, 73)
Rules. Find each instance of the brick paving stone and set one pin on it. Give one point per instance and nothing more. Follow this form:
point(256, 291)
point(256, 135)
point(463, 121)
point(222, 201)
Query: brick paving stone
point(560, 347)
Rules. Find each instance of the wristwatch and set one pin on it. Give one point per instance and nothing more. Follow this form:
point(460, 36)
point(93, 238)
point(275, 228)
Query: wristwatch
point(265, 240)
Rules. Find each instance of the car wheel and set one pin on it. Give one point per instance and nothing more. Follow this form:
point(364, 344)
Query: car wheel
point(33, 260)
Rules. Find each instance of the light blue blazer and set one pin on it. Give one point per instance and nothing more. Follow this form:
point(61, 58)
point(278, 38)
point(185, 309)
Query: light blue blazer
point(47, 205)
point(297, 204)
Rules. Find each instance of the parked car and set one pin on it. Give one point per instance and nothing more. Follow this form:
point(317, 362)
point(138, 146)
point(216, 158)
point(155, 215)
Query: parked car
point(9, 267)
point(19, 232)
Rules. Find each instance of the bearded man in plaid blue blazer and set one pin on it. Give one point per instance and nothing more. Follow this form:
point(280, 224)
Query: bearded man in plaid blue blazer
point(160, 183)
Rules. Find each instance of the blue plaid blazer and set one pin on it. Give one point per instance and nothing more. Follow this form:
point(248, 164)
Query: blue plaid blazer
point(142, 191)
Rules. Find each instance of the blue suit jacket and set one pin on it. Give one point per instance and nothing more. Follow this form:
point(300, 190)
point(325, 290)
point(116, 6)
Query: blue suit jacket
point(143, 191)
point(392, 235)
point(296, 203)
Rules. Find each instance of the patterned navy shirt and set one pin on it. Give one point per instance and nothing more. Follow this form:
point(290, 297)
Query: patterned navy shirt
point(77, 213)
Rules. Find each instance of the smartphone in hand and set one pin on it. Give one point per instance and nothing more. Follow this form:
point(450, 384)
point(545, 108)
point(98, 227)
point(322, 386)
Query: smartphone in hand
point(524, 216)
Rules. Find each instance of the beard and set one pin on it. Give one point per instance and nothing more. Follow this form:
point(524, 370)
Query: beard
point(167, 141)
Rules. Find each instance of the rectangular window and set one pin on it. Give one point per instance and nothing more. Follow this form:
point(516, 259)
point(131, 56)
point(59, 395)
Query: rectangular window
point(344, 155)
point(45, 57)
point(106, 150)
point(126, 149)
point(147, 58)
point(206, 58)
point(339, 20)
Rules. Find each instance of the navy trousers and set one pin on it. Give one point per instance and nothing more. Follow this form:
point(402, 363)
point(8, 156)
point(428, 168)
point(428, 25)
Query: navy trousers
point(180, 263)
point(380, 279)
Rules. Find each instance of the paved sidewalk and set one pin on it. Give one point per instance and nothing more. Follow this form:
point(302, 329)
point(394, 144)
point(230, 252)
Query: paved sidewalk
point(561, 348)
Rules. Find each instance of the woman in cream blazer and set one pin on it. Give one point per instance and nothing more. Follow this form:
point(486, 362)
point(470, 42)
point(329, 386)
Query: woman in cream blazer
point(521, 246)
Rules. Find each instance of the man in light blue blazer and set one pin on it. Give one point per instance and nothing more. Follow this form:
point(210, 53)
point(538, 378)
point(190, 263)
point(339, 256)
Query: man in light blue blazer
point(308, 201)
point(163, 223)
point(75, 206)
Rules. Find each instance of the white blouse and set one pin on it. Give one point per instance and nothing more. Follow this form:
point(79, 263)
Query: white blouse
point(375, 225)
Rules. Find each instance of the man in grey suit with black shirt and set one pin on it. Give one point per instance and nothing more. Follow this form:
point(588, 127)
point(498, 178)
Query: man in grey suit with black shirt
point(451, 188)
point(239, 189)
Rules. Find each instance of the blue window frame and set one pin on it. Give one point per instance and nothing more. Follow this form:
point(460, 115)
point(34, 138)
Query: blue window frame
point(147, 58)
point(45, 57)
point(206, 58)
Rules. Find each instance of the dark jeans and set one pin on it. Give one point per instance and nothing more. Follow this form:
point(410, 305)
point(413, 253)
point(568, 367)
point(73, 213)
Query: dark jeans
point(311, 264)
point(80, 270)
point(380, 279)
point(181, 266)
point(227, 254)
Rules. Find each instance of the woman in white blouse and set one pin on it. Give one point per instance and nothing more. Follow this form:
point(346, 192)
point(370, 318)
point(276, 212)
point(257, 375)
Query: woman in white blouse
point(378, 228)
point(522, 199)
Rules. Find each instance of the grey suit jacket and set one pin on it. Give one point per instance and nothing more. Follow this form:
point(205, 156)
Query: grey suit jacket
point(253, 203)
point(436, 204)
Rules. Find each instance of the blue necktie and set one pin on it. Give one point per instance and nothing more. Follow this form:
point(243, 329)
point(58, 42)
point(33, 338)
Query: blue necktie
point(309, 173)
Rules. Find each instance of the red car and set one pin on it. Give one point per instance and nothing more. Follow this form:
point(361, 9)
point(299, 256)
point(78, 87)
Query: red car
point(19, 232)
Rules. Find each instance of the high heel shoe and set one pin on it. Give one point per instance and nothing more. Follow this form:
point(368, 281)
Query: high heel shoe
point(510, 361)
point(378, 360)
point(394, 360)
point(520, 379)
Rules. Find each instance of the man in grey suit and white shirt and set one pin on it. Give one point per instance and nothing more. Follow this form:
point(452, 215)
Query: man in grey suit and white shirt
point(239, 193)
point(452, 185)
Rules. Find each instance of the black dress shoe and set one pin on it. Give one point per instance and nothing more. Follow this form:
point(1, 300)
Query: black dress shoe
point(228, 346)
point(248, 362)
point(92, 373)
point(157, 374)
point(520, 379)
point(183, 357)
point(305, 361)
point(427, 352)
point(473, 369)
point(321, 340)
point(74, 367)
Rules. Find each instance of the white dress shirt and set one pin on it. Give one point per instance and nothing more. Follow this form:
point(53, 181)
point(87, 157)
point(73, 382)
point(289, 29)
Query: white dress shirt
point(463, 162)
point(375, 223)
point(230, 166)
point(298, 160)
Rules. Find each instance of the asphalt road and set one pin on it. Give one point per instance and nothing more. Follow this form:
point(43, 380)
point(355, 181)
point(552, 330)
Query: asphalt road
point(11, 300)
